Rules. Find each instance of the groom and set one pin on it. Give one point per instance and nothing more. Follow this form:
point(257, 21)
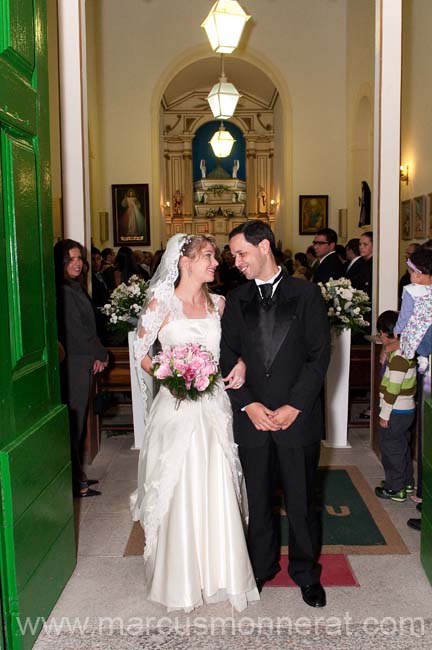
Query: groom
point(279, 326)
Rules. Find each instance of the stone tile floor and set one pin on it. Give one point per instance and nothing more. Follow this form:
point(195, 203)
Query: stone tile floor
point(103, 605)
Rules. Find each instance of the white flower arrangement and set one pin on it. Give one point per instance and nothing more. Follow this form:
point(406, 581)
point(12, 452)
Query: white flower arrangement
point(346, 306)
point(125, 305)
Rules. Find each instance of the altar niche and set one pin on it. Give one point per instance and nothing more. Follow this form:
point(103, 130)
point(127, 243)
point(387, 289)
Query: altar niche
point(204, 194)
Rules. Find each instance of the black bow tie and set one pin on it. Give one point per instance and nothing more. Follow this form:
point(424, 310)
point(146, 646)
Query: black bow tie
point(266, 291)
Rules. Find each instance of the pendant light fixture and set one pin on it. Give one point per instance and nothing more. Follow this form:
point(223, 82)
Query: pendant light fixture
point(223, 97)
point(222, 142)
point(224, 25)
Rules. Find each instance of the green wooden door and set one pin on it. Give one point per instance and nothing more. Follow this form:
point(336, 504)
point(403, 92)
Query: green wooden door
point(37, 549)
point(2, 628)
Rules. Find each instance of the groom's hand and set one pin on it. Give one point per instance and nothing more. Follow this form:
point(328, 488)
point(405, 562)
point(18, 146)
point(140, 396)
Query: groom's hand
point(284, 416)
point(260, 417)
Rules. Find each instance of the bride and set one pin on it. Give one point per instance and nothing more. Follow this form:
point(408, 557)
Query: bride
point(190, 499)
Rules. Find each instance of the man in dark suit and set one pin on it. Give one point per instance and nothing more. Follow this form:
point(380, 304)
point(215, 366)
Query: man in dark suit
point(354, 260)
point(330, 265)
point(278, 325)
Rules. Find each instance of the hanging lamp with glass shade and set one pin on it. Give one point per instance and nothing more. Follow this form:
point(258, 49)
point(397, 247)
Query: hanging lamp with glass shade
point(223, 97)
point(222, 142)
point(224, 25)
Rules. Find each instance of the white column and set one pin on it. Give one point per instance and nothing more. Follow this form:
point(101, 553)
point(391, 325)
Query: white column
point(388, 57)
point(73, 111)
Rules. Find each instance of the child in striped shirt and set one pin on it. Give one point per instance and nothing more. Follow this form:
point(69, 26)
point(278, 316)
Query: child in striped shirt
point(397, 412)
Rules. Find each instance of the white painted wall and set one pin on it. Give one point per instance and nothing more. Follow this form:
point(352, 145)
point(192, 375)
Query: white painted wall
point(416, 132)
point(360, 103)
point(282, 231)
point(134, 45)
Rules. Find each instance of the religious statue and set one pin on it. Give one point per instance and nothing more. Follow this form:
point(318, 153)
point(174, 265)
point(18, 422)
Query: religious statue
point(365, 205)
point(262, 200)
point(178, 200)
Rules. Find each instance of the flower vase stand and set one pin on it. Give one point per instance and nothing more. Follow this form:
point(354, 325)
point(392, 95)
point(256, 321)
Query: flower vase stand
point(336, 390)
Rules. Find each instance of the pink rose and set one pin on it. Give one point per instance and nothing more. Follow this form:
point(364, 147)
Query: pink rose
point(201, 383)
point(163, 371)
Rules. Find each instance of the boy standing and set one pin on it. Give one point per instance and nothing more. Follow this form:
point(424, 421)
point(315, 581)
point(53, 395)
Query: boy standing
point(397, 411)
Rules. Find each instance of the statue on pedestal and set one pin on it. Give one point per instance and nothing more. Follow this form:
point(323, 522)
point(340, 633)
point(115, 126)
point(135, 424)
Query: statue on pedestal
point(262, 200)
point(203, 168)
point(235, 169)
point(178, 200)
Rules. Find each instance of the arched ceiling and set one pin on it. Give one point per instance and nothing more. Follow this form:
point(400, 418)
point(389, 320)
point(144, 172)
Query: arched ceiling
point(202, 75)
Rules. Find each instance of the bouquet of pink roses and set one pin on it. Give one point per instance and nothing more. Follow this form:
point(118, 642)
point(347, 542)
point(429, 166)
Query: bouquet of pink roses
point(188, 371)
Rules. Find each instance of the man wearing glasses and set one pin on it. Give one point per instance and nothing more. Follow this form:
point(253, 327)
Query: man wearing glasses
point(330, 265)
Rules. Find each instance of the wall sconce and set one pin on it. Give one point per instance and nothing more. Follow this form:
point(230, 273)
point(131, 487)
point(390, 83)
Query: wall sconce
point(404, 174)
point(343, 223)
point(166, 205)
point(273, 204)
point(103, 226)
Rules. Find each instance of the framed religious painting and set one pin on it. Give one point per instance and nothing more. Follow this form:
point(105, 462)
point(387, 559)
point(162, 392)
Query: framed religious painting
point(419, 217)
point(405, 219)
point(131, 216)
point(313, 213)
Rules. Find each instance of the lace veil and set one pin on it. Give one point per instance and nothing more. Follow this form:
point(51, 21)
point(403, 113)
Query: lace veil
point(157, 304)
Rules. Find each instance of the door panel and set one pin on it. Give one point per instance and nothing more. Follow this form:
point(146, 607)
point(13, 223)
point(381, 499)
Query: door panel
point(37, 547)
point(24, 261)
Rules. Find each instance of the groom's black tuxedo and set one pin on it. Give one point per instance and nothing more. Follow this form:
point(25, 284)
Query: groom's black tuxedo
point(286, 350)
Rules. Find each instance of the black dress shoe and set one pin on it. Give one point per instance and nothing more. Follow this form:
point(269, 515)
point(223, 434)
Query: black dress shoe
point(414, 523)
point(88, 493)
point(314, 595)
point(260, 584)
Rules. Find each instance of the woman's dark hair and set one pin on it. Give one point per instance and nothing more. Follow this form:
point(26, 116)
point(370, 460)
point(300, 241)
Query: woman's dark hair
point(127, 264)
point(369, 234)
point(301, 257)
point(62, 259)
point(106, 252)
point(254, 232)
point(422, 259)
point(387, 321)
point(340, 250)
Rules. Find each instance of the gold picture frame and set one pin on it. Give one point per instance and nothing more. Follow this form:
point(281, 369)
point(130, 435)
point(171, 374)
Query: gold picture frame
point(419, 217)
point(313, 213)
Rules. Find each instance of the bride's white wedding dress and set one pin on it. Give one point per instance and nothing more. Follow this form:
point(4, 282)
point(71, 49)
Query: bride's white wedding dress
point(190, 499)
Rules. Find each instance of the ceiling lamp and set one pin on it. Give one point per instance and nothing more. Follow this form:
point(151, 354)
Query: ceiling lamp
point(223, 97)
point(224, 25)
point(222, 142)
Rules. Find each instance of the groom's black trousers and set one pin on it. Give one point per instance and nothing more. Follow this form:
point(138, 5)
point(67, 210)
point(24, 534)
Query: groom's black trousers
point(296, 469)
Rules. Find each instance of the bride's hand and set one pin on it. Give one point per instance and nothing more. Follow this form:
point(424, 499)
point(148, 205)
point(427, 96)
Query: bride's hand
point(237, 376)
point(147, 364)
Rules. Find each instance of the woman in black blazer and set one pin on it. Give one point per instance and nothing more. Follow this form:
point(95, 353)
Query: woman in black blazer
point(366, 252)
point(85, 354)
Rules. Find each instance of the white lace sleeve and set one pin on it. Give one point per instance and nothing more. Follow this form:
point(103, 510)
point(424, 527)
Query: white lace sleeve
point(218, 303)
point(149, 325)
